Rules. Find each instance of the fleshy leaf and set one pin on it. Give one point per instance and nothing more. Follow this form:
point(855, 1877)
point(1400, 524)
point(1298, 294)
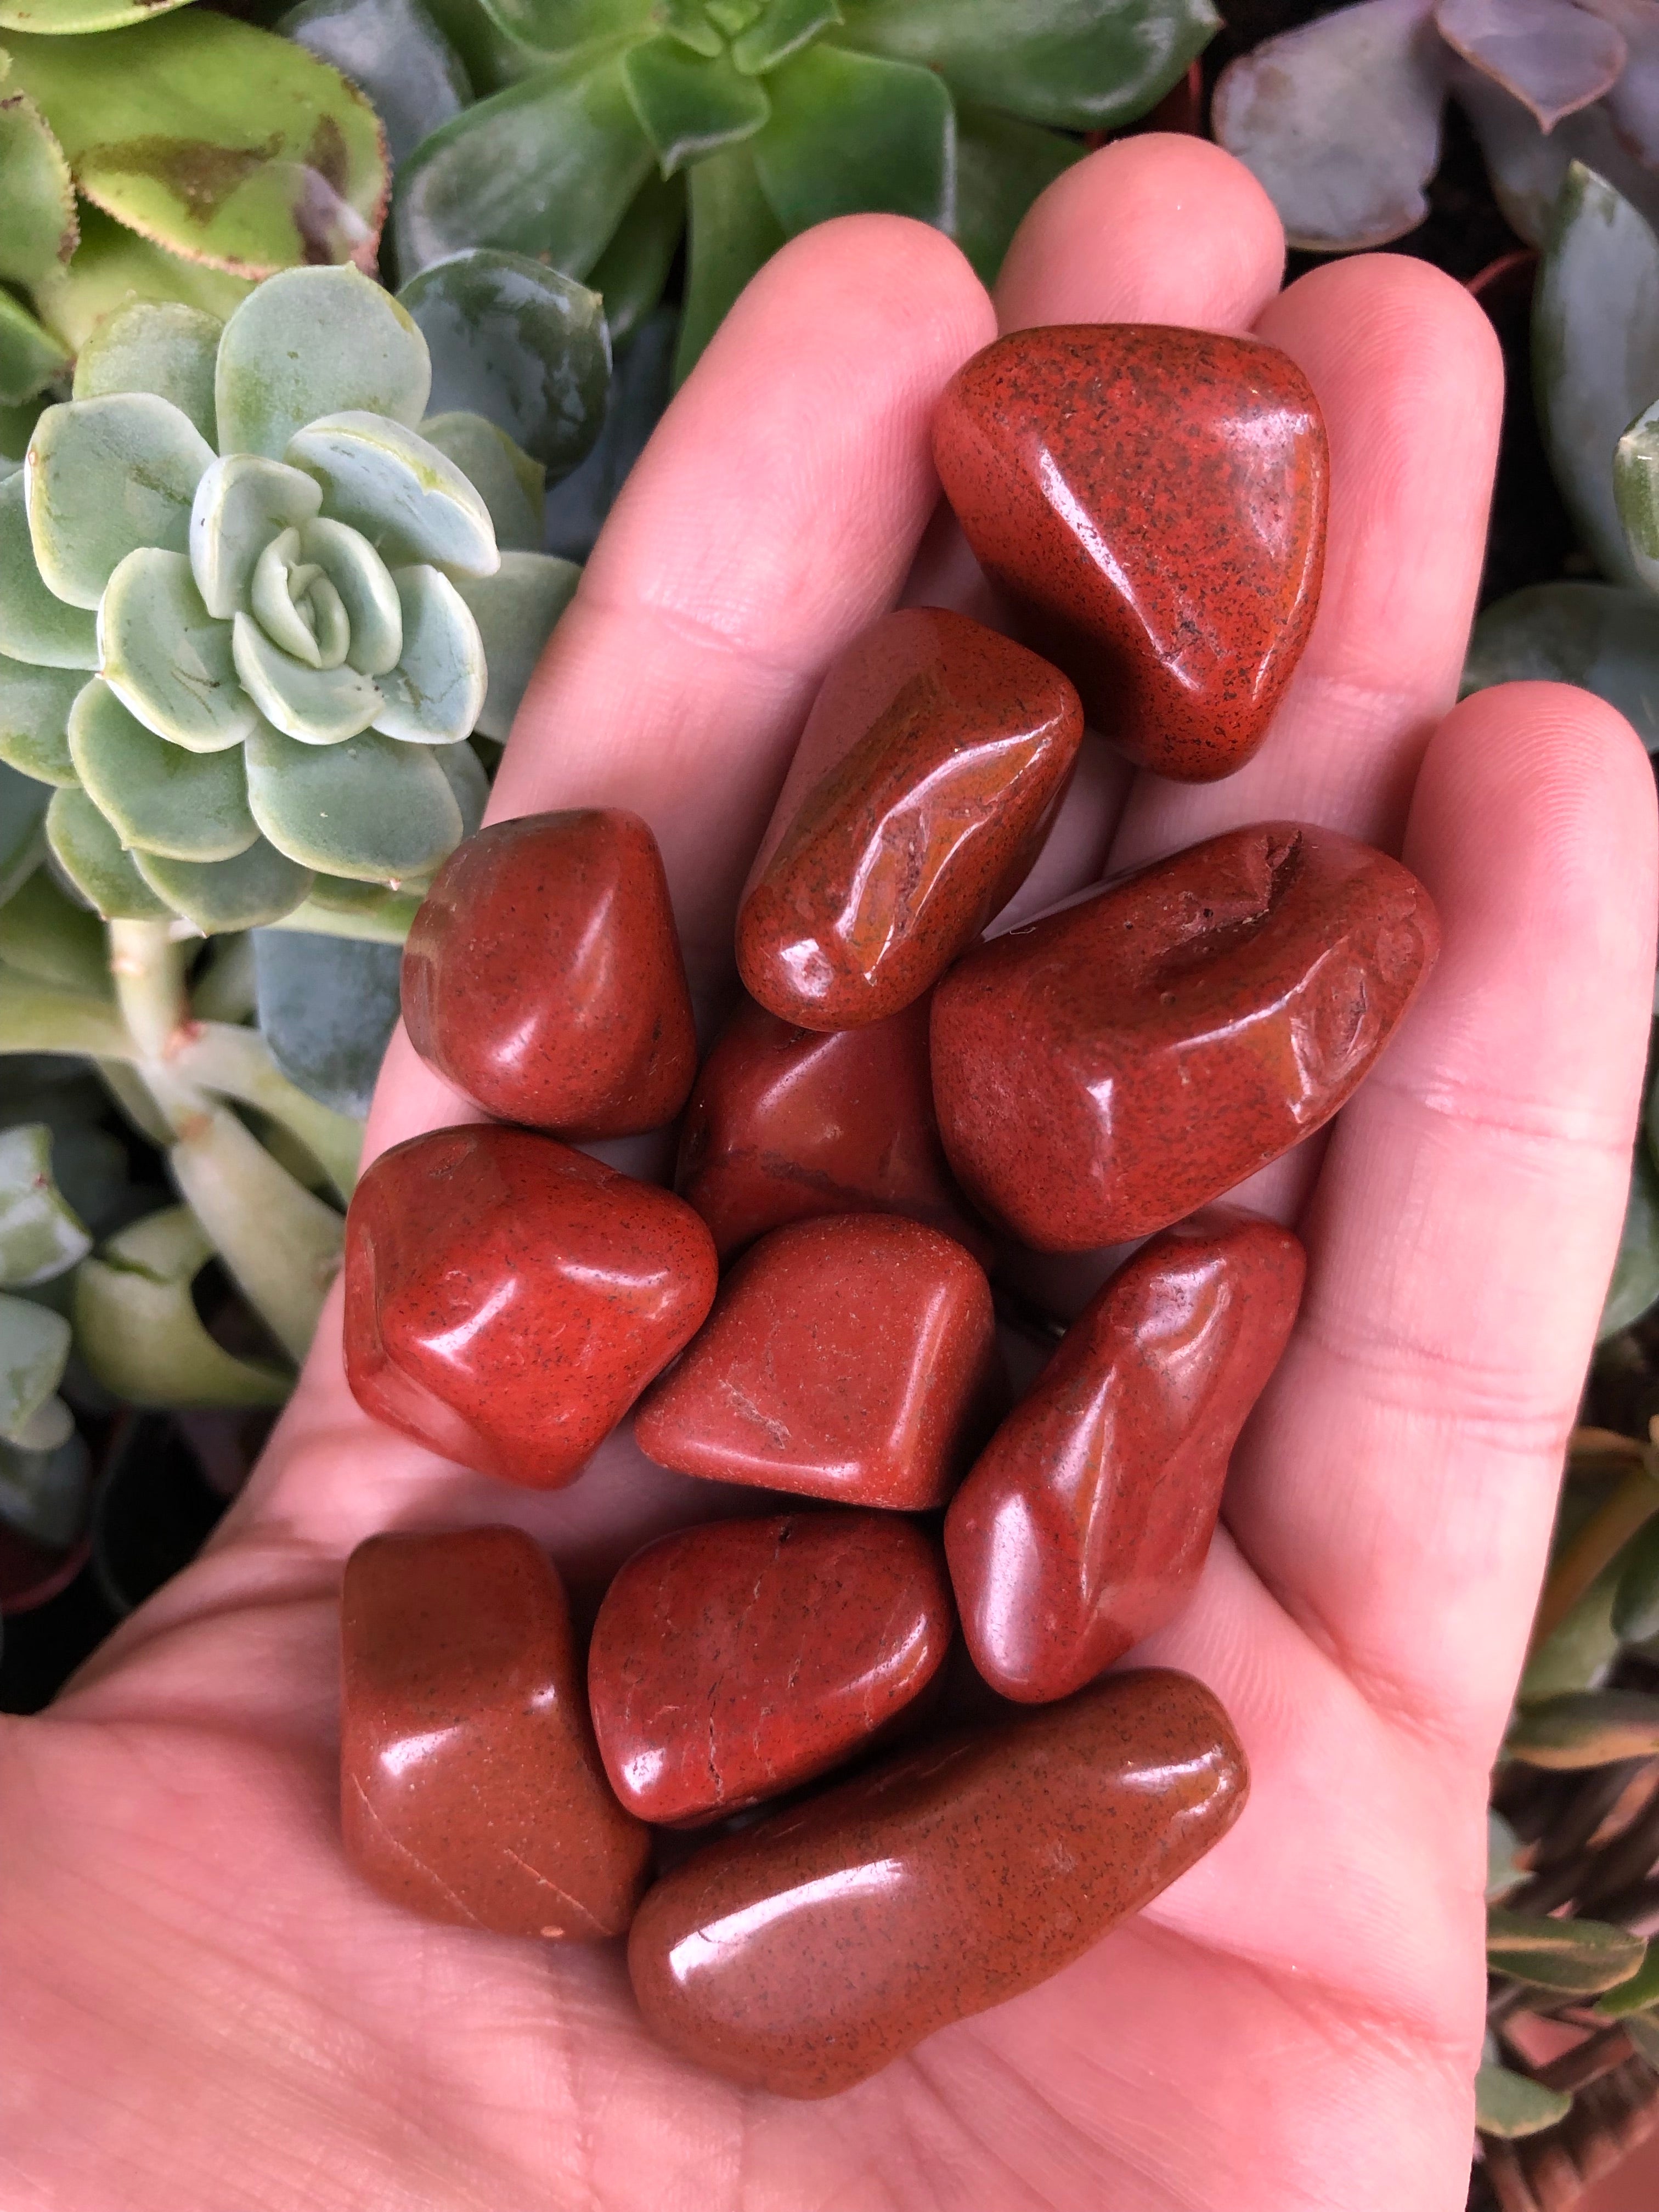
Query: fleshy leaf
point(1636, 493)
point(154, 345)
point(546, 168)
point(1595, 351)
point(112, 269)
point(434, 696)
point(23, 804)
point(1552, 56)
point(16, 429)
point(1527, 165)
point(1604, 637)
point(1635, 1284)
point(104, 478)
point(375, 915)
point(1638, 1994)
point(46, 934)
point(396, 52)
point(241, 503)
point(1636, 1600)
point(407, 499)
point(58, 17)
point(1083, 64)
point(39, 230)
point(1580, 1957)
point(780, 29)
point(41, 1234)
point(43, 1493)
point(327, 1008)
point(1579, 1652)
point(1586, 1728)
point(366, 593)
point(851, 131)
point(34, 1347)
point(217, 140)
point(1339, 120)
point(1632, 105)
point(35, 624)
point(510, 484)
point(1511, 2105)
point(1502, 1873)
point(30, 356)
point(630, 274)
point(468, 783)
point(518, 344)
point(733, 232)
point(89, 851)
point(317, 706)
point(690, 106)
point(372, 808)
point(516, 609)
point(35, 712)
point(576, 510)
point(316, 341)
point(137, 1329)
point(258, 886)
point(1002, 164)
point(188, 807)
point(168, 659)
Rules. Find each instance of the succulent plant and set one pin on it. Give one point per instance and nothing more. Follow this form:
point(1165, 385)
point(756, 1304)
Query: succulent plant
point(249, 669)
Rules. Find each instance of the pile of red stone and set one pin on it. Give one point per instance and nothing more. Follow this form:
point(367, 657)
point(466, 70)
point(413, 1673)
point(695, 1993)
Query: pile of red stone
point(898, 1107)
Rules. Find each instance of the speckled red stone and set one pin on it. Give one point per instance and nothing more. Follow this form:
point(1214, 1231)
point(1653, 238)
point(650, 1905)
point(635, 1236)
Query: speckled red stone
point(543, 976)
point(732, 1661)
point(808, 1953)
point(507, 1299)
point(931, 765)
point(1086, 1522)
point(786, 1123)
point(1152, 503)
point(471, 1790)
point(1102, 1071)
point(853, 1359)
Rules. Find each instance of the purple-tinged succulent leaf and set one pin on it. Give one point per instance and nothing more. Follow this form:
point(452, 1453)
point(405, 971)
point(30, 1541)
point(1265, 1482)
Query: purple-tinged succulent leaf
point(1527, 165)
point(1633, 103)
point(1552, 56)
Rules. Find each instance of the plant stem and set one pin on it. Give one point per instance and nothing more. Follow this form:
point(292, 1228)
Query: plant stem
point(147, 964)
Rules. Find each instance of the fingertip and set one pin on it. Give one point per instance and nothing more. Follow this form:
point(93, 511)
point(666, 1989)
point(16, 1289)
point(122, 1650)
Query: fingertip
point(1394, 314)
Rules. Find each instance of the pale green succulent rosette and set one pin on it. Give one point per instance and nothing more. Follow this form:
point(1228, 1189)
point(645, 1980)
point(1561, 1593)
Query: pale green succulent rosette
point(248, 668)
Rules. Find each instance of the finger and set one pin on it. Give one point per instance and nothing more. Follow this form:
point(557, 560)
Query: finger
point(1397, 1485)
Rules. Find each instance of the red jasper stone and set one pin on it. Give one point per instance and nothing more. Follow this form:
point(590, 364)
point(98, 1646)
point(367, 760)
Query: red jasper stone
point(788, 1123)
point(1085, 1523)
point(852, 1357)
point(471, 1790)
point(507, 1299)
point(807, 1953)
point(930, 767)
point(1103, 1071)
point(1152, 503)
point(734, 1661)
point(543, 976)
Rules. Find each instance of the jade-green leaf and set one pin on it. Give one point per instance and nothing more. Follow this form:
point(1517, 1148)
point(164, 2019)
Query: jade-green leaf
point(468, 784)
point(631, 272)
point(35, 624)
point(23, 806)
point(1602, 636)
point(316, 341)
point(1638, 1994)
point(780, 29)
point(1589, 1728)
point(1511, 2105)
point(372, 808)
point(688, 105)
point(258, 886)
point(114, 268)
point(434, 696)
point(1636, 1595)
point(57, 18)
point(407, 499)
point(1635, 1284)
point(1002, 164)
point(168, 659)
point(241, 503)
point(41, 1235)
point(366, 593)
point(138, 1331)
point(30, 356)
point(47, 934)
point(35, 1345)
point(315, 705)
point(89, 851)
point(186, 806)
point(1580, 1957)
point(106, 476)
point(511, 485)
point(733, 232)
point(35, 713)
point(558, 26)
point(35, 191)
point(850, 132)
point(154, 345)
point(515, 609)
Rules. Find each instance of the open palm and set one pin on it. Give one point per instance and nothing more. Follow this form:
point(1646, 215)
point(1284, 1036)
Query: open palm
point(206, 2010)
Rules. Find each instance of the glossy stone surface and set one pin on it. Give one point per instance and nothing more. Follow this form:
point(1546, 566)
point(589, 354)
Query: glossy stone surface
point(786, 1123)
point(1107, 1069)
point(471, 1790)
point(931, 765)
point(507, 1299)
point(810, 1951)
point(1084, 1522)
point(732, 1661)
point(1151, 502)
point(853, 1359)
point(543, 976)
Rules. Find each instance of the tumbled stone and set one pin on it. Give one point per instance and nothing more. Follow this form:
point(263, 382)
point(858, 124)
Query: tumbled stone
point(1151, 502)
point(786, 1123)
point(732, 1661)
point(928, 772)
point(1086, 1522)
point(852, 1357)
point(543, 977)
point(1103, 1071)
point(804, 1954)
point(471, 1790)
point(507, 1299)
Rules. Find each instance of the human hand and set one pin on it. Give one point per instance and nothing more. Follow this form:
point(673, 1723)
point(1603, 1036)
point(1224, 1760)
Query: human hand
point(207, 2010)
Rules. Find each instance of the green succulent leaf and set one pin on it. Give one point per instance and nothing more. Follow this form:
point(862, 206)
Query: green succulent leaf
point(1595, 352)
point(696, 26)
point(23, 804)
point(395, 52)
point(511, 485)
point(39, 230)
point(1638, 1994)
point(434, 696)
point(1580, 1651)
point(43, 1493)
point(106, 476)
point(383, 917)
point(1502, 1873)
point(57, 18)
point(184, 806)
point(515, 610)
point(1509, 2105)
point(315, 705)
point(687, 106)
point(46, 935)
point(214, 139)
point(406, 498)
point(16, 429)
point(631, 272)
point(521, 345)
point(1635, 1284)
point(159, 346)
point(35, 1348)
point(373, 808)
point(1604, 637)
point(30, 356)
point(35, 624)
point(1589, 1728)
point(168, 659)
point(851, 131)
point(89, 852)
point(258, 886)
point(367, 593)
point(316, 341)
point(1580, 1957)
point(1643, 2029)
point(1636, 493)
point(733, 232)
point(1081, 65)
point(1635, 1610)
point(547, 168)
point(780, 30)
point(468, 782)
point(41, 1234)
point(1002, 164)
point(558, 27)
point(241, 503)
point(137, 1327)
point(113, 269)
point(328, 1007)
point(238, 1063)
point(34, 1017)
point(35, 712)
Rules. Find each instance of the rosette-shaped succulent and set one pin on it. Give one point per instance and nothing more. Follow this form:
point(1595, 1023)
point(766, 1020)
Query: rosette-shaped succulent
point(241, 606)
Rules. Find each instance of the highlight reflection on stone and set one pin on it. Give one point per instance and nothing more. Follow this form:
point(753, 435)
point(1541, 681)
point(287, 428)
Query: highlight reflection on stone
point(810, 1951)
point(1086, 1522)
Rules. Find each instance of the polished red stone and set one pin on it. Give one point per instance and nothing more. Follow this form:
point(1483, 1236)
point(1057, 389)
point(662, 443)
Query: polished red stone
point(786, 1123)
point(507, 1299)
point(1151, 502)
point(1102, 1071)
point(543, 976)
point(733, 1660)
point(852, 1357)
point(1085, 1521)
point(928, 772)
point(471, 1790)
point(807, 1953)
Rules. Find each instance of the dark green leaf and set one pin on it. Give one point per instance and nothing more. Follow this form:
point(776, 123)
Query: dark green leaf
point(577, 509)
point(39, 229)
point(629, 274)
point(1636, 1592)
point(1580, 1957)
point(780, 30)
point(1638, 1993)
point(559, 27)
point(23, 804)
point(1002, 165)
point(394, 51)
point(1579, 1651)
point(733, 230)
point(1507, 2104)
point(687, 106)
point(1503, 1875)
point(1588, 1728)
point(1643, 2029)
point(29, 355)
point(327, 1007)
point(1602, 636)
point(1635, 1285)
point(851, 132)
